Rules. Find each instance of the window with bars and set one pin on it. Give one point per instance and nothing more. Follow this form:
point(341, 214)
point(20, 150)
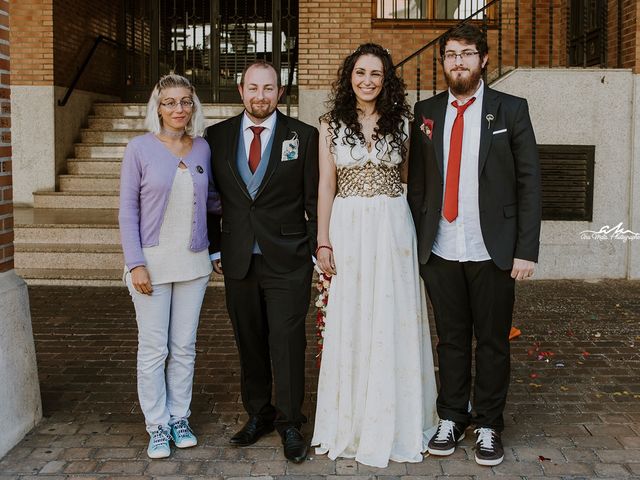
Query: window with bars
point(427, 9)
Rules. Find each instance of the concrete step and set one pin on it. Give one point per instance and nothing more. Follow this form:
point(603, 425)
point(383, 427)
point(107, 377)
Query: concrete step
point(97, 200)
point(108, 136)
point(85, 277)
point(59, 226)
point(95, 122)
point(93, 166)
point(68, 276)
point(130, 123)
point(89, 183)
point(210, 110)
point(80, 256)
point(99, 150)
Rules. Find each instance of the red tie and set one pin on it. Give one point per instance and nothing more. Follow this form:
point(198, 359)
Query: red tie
point(255, 150)
point(450, 211)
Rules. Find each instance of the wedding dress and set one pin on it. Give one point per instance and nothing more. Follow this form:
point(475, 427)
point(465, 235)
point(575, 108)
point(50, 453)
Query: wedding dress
point(377, 389)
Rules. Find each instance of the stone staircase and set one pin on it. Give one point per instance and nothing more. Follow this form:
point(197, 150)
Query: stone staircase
point(71, 235)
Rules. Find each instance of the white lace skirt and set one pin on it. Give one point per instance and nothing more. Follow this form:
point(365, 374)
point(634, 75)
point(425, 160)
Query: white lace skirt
point(377, 389)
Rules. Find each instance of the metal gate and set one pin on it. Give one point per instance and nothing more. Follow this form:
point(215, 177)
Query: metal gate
point(587, 33)
point(209, 42)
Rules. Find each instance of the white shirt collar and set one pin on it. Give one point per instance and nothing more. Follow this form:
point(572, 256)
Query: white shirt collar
point(269, 123)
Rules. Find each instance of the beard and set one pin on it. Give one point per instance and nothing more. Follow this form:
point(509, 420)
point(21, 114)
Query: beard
point(261, 109)
point(463, 86)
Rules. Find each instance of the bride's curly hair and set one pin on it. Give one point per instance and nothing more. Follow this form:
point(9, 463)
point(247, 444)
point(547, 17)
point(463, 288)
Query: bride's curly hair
point(391, 104)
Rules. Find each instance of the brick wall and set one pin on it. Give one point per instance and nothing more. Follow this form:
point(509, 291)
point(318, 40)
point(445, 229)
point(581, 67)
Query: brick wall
point(50, 39)
point(330, 30)
point(32, 42)
point(636, 67)
point(76, 24)
point(6, 192)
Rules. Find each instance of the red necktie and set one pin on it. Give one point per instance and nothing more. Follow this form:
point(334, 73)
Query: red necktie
point(450, 210)
point(255, 150)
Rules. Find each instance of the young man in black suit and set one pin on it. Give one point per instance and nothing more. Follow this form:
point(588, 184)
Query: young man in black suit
point(474, 192)
point(265, 166)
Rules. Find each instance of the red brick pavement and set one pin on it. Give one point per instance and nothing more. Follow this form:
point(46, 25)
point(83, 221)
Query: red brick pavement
point(573, 409)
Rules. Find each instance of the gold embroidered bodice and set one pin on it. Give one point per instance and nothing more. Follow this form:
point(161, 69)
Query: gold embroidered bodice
point(364, 173)
point(369, 180)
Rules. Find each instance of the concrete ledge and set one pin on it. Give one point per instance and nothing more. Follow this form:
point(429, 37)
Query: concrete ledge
point(21, 408)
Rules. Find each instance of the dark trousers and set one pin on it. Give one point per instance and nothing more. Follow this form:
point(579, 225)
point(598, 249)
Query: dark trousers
point(268, 311)
point(471, 299)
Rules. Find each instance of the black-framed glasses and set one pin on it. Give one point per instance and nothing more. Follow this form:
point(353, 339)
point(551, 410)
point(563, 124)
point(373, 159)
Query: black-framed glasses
point(464, 55)
point(172, 104)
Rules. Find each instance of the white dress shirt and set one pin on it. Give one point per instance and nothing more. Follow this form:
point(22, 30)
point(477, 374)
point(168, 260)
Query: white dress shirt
point(269, 125)
point(461, 240)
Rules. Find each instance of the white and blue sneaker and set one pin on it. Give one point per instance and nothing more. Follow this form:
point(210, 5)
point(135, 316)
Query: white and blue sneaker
point(159, 443)
point(182, 434)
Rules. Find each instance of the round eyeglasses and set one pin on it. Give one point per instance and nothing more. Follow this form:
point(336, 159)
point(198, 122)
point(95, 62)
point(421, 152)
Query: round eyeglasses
point(172, 104)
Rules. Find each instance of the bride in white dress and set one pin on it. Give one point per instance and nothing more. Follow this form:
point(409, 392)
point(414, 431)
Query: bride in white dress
point(377, 390)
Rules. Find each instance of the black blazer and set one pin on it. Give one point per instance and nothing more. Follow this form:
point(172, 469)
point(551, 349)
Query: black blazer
point(283, 216)
point(508, 172)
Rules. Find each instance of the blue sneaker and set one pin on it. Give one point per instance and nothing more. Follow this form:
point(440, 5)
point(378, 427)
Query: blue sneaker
point(159, 443)
point(182, 434)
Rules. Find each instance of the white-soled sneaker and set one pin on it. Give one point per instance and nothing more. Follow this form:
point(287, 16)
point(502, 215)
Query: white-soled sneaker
point(489, 450)
point(446, 438)
point(182, 434)
point(159, 443)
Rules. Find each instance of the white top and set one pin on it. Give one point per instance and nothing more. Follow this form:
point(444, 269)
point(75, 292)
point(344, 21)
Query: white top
point(461, 240)
point(172, 260)
point(269, 126)
point(382, 153)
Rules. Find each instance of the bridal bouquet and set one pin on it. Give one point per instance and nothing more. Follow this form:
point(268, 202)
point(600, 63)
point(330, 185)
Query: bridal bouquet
point(322, 285)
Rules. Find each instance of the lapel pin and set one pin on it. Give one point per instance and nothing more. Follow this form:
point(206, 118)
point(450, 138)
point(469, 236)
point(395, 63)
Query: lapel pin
point(199, 169)
point(489, 118)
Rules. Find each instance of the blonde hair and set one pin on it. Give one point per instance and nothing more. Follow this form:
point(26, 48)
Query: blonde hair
point(153, 122)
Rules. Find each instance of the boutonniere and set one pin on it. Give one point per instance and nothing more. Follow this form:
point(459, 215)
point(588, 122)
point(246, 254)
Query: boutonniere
point(427, 127)
point(290, 148)
point(490, 119)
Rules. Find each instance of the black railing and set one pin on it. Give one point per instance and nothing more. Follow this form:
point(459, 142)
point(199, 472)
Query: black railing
point(83, 66)
point(533, 38)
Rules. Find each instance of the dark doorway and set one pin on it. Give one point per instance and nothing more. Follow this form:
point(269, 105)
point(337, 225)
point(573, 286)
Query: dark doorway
point(209, 42)
point(587, 33)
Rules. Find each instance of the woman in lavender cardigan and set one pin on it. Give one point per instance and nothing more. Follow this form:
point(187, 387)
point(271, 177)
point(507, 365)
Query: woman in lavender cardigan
point(166, 191)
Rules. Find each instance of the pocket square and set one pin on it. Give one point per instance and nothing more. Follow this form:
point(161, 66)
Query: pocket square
point(500, 131)
point(290, 148)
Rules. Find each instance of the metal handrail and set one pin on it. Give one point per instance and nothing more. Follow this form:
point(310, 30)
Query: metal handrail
point(99, 39)
point(435, 40)
point(537, 54)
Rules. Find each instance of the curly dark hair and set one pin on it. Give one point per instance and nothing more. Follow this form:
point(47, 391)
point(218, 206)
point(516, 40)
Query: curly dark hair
point(391, 104)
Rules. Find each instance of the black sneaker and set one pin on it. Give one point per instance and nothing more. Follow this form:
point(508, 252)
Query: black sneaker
point(447, 436)
point(489, 451)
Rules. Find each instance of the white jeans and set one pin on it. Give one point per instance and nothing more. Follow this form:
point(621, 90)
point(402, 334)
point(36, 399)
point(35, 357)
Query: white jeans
point(167, 325)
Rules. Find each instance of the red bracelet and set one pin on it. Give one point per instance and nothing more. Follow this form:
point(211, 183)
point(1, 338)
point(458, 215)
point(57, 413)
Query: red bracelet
point(320, 247)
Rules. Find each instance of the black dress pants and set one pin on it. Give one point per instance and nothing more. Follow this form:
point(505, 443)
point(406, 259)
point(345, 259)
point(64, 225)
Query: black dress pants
point(471, 299)
point(268, 311)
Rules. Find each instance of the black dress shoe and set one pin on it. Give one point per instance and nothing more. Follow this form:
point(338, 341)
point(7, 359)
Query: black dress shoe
point(253, 430)
point(295, 446)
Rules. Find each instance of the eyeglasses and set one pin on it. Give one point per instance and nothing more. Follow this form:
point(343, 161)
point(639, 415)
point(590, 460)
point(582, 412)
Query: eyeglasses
point(464, 55)
point(172, 104)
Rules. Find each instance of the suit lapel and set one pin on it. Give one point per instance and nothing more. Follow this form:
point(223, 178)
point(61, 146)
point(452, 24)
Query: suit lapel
point(279, 136)
point(440, 110)
point(232, 158)
point(490, 106)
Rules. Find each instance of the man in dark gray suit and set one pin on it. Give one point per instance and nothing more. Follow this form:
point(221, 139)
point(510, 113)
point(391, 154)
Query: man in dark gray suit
point(265, 166)
point(474, 193)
